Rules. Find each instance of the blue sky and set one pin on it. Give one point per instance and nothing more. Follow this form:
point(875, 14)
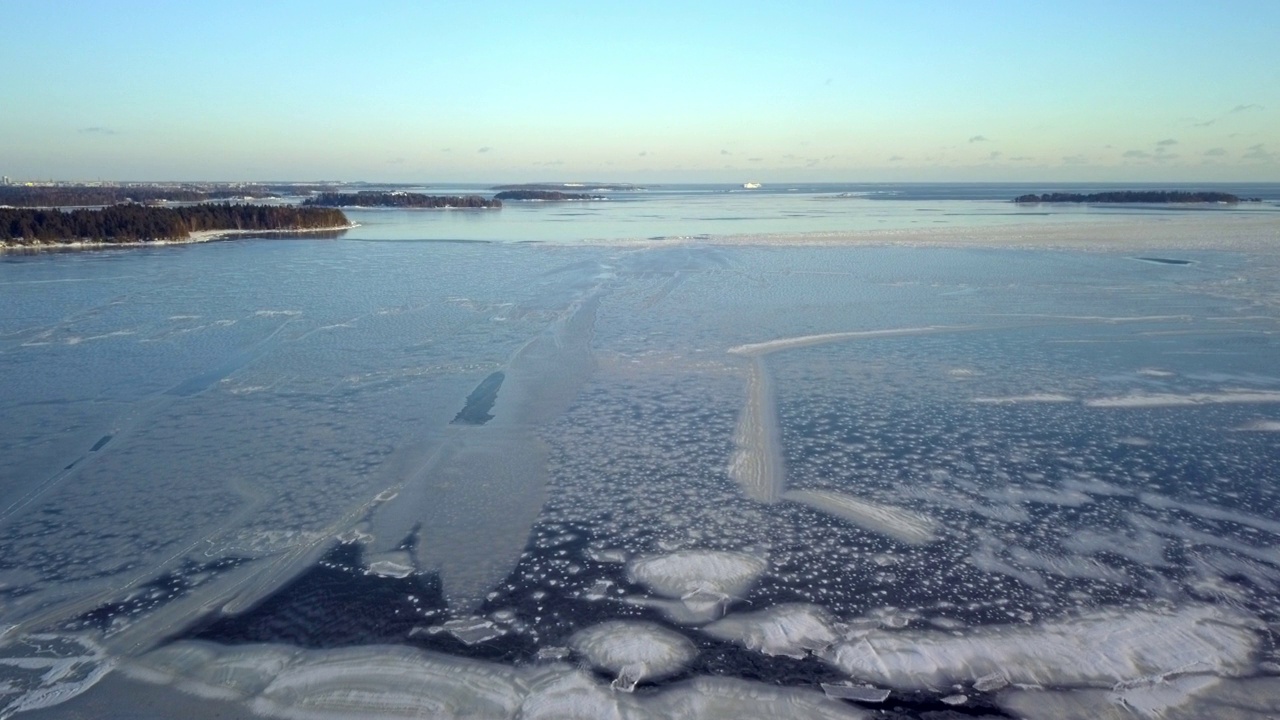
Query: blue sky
point(654, 91)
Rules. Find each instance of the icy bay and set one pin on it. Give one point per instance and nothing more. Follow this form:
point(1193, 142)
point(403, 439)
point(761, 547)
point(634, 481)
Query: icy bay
point(1021, 471)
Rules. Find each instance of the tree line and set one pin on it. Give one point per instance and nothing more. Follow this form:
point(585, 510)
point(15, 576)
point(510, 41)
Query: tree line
point(553, 195)
point(140, 223)
point(370, 198)
point(63, 196)
point(1132, 196)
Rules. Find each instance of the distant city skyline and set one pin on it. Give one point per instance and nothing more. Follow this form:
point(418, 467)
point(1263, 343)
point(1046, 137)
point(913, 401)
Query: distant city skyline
point(653, 92)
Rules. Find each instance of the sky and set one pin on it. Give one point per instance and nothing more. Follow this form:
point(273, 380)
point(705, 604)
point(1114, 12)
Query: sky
point(656, 91)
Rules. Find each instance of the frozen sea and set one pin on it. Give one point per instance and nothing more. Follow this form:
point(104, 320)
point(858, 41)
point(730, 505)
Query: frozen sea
point(692, 451)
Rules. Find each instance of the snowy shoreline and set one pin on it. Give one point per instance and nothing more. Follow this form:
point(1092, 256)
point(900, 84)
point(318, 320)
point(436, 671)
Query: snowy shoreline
point(201, 236)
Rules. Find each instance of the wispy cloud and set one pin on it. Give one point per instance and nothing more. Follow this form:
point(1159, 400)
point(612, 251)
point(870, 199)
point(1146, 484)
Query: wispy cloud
point(1074, 160)
point(978, 138)
point(484, 149)
point(97, 130)
point(995, 154)
point(755, 159)
point(1166, 142)
point(1260, 153)
point(1250, 107)
point(643, 153)
point(1215, 152)
point(725, 152)
point(896, 158)
point(1139, 154)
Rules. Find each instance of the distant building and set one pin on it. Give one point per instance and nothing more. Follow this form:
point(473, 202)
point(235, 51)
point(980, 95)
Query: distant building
point(6, 181)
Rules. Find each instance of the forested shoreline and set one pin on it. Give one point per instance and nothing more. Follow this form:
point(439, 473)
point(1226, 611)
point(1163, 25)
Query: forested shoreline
point(1132, 196)
point(140, 223)
point(48, 196)
point(370, 198)
point(544, 195)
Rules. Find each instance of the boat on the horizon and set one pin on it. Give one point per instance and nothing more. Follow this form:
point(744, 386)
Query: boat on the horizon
point(750, 185)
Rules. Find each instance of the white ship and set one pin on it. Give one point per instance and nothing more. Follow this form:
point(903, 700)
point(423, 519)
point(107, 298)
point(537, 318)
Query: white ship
point(750, 185)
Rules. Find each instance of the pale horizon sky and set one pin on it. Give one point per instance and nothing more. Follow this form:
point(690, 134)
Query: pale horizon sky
point(642, 92)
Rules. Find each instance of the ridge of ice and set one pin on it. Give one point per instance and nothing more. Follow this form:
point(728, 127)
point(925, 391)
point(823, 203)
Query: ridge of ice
point(1017, 399)
point(899, 524)
point(772, 346)
point(756, 463)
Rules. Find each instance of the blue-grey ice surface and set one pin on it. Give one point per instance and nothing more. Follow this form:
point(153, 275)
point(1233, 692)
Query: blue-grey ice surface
point(722, 475)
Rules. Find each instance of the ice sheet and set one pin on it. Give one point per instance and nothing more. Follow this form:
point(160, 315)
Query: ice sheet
point(970, 532)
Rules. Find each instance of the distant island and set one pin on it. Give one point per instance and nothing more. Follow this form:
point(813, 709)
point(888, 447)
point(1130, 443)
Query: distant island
point(135, 224)
point(598, 187)
point(370, 198)
point(1132, 196)
point(545, 195)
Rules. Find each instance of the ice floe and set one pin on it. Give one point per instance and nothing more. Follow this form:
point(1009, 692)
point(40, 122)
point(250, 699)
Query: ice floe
point(1144, 400)
point(1176, 697)
point(792, 630)
point(733, 699)
point(1259, 426)
point(470, 630)
point(45, 670)
point(703, 581)
point(860, 693)
point(1097, 649)
point(633, 651)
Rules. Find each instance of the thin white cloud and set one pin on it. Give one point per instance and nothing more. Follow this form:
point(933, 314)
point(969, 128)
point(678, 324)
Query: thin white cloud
point(1260, 153)
point(97, 130)
point(1215, 152)
point(1167, 142)
point(978, 138)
